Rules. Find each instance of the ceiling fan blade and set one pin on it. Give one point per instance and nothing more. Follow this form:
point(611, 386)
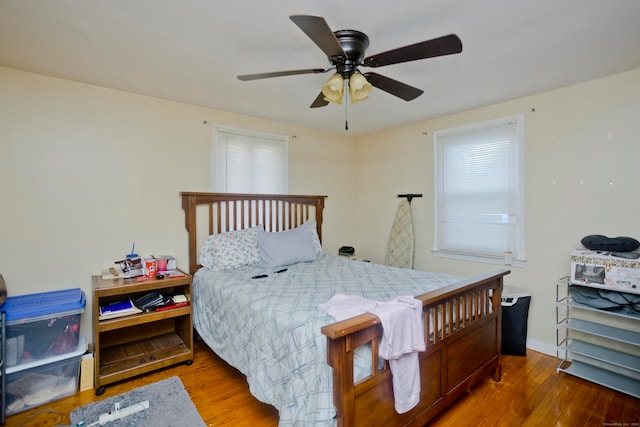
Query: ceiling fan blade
point(318, 30)
point(319, 101)
point(394, 87)
point(445, 45)
point(248, 77)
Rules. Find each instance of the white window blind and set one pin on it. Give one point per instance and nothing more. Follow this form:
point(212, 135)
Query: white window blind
point(479, 191)
point(250, 162)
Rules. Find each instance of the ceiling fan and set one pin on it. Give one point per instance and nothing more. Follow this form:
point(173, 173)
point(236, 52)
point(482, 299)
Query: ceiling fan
point(345, 50)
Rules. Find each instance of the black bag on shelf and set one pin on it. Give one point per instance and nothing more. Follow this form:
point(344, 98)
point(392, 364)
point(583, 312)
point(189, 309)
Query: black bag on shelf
point(598, 242)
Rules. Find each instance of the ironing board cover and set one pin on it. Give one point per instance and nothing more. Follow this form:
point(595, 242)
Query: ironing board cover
point(400, 244)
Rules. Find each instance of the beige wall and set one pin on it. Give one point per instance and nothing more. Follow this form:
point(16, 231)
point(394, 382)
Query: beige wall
point(582, 176)
point(86, 171)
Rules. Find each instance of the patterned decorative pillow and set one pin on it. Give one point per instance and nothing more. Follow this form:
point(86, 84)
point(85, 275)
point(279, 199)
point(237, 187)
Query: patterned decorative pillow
point(231, 249)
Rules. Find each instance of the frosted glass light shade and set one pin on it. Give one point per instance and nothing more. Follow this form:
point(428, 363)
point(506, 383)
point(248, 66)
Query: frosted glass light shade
point(359, 88)
point(334, 89)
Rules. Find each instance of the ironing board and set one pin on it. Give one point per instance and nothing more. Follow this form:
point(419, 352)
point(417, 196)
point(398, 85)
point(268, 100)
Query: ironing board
point(400, 244)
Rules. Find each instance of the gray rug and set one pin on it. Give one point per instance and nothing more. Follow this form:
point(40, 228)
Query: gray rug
point(169, 406)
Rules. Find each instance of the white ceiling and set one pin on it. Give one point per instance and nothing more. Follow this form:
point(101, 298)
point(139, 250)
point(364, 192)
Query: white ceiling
point(192, 50)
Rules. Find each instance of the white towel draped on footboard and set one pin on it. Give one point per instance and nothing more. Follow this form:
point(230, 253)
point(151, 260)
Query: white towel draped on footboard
point(402, 339)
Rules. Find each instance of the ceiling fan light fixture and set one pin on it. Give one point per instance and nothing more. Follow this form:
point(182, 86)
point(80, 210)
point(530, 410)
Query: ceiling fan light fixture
point(359, 88)
point(334, 89)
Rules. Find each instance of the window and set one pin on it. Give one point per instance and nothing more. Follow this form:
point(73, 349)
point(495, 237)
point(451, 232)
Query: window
point(250, 162)
point(479, 206)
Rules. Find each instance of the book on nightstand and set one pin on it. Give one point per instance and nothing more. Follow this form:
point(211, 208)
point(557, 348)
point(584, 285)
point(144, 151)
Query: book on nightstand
point(175, 301)
point(118, 309)
point(171, 305)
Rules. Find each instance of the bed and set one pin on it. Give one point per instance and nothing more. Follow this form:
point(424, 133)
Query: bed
point(314, 370)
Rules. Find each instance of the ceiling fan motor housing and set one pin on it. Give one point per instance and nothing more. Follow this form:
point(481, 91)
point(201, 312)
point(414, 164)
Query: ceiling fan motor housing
point(354, 43)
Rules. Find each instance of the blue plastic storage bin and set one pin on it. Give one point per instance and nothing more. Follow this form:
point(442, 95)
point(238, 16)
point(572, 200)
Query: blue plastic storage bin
point(42, 325)
point(41, 306)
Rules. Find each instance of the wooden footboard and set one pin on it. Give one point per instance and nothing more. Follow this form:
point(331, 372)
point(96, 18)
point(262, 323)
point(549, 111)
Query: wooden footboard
point(462, 324)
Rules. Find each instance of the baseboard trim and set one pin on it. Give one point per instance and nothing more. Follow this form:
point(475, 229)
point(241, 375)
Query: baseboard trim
point(542, 347)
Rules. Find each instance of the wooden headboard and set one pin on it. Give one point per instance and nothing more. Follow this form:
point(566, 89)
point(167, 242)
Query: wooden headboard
point(233, 211)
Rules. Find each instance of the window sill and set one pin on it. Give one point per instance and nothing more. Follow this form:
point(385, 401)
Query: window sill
point(479, 258)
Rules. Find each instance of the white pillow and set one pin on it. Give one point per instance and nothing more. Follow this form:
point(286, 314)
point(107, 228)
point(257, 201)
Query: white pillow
point(314, 235)
point(286, 247)
point(231, 249)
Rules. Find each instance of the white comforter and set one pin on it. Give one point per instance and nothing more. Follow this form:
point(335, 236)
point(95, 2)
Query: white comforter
point(269, 328)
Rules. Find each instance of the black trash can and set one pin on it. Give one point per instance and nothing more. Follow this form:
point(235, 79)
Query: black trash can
point(515, 314)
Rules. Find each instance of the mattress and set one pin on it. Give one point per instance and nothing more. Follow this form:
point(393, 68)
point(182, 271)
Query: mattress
point(269, 328)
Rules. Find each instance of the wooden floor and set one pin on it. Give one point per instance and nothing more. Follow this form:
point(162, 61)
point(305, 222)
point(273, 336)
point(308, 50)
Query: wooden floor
point(531, 393)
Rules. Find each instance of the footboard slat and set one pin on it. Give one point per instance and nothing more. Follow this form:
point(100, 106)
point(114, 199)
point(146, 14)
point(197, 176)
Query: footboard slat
point(462, 326)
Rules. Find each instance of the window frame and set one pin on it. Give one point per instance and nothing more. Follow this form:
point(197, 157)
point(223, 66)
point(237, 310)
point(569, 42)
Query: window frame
point(516, 256)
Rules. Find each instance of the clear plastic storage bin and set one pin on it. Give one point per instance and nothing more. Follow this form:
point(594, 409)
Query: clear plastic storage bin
point(41, 381)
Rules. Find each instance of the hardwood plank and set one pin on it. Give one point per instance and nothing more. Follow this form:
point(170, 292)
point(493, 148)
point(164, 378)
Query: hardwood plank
point(531, 393)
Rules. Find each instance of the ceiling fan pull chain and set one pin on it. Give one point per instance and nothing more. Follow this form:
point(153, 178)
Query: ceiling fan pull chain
point(346, 105)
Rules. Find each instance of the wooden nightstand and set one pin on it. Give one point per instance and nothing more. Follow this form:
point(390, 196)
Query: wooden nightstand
point(143, 342)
